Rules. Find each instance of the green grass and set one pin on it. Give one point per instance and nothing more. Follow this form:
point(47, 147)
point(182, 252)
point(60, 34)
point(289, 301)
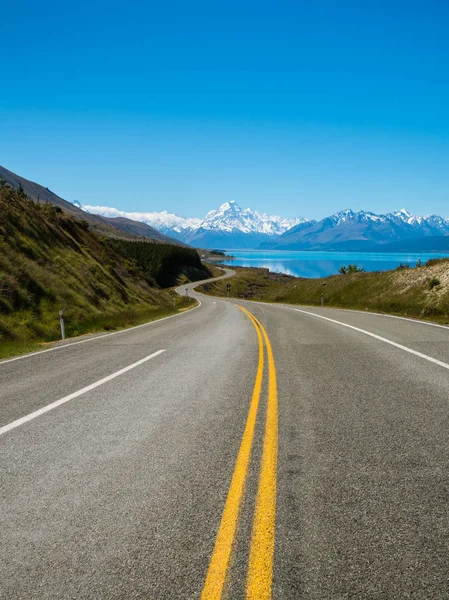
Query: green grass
point(407, 292)
point(126, 318)
point(214, 270)
point(9, 349)
point(50, 261)
point(114, 322)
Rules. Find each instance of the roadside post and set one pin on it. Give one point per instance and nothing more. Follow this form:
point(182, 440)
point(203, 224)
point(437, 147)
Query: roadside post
point(187, 292)
point(61, 322)
point(322, 299)
point(228, 289)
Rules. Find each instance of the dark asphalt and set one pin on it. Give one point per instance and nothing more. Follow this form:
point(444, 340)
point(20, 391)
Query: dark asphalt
point(119, 492)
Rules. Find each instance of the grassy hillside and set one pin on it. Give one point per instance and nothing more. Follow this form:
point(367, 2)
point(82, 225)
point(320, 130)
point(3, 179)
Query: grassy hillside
point(51, 261)
point(422, 292)
point(117, 227)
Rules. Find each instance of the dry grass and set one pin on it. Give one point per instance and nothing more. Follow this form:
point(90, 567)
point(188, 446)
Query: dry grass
point(407, 292)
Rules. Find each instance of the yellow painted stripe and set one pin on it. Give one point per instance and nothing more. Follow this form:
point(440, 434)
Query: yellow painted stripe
point(219, 564)
point(260, 568)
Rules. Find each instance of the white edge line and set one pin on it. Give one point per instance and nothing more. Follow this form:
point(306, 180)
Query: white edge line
point(100, 336)
point(373, 335)
point(377, 337)
point(45, 409)
point(103, 335)
point(366, 312)
point(348, 310)
point(375, 314)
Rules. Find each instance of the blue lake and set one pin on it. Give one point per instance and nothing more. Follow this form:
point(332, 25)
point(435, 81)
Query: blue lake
point(322, 264)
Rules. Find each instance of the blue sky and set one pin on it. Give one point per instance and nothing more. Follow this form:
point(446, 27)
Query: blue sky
point(294, 108)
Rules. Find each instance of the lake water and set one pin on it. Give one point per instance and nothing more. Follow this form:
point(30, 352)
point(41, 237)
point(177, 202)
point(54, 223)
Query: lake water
point(322, 264)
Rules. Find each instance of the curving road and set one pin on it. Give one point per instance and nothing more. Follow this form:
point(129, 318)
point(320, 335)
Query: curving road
point(166, 461)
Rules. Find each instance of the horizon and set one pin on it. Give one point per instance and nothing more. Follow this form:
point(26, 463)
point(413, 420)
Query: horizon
point(293, 109)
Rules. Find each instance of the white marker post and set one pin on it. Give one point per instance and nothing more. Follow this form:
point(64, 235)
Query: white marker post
point(322, 299)
point(61, 321)
point(187, 292)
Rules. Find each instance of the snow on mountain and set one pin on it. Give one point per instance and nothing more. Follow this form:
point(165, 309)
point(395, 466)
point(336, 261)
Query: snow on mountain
point(227, 218)
point(403, 214)
point(349, 230)
point(433, 221)
point(400, 216)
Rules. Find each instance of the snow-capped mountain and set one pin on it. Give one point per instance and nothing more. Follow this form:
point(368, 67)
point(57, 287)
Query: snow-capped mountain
point(349, 230)
point(229, 225)
point(434, 224)
point(230, 217)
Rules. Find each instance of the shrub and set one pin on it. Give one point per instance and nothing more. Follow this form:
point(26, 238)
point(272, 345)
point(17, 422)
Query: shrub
point(436, 261)
point(350, 269)
point(433, 282)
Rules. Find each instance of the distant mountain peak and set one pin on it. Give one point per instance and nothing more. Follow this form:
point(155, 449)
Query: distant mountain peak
point(229, 217)
point(230, 205)
point(404, 212)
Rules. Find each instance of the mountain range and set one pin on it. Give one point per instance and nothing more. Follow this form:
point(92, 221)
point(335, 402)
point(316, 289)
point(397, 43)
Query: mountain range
point(232, 227)
point(362, 231)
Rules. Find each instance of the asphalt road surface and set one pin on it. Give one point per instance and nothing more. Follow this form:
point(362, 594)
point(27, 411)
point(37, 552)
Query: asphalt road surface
point(184, 459)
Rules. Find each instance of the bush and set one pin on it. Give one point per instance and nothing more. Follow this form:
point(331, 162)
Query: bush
point(436, 261)
point(350, 269)
point(433, 282)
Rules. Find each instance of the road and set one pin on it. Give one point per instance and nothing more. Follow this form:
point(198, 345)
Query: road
point(182, 459)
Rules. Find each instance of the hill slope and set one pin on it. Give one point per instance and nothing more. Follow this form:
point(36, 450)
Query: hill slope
point(51, 261)
point(422, 292)
point(119, 228)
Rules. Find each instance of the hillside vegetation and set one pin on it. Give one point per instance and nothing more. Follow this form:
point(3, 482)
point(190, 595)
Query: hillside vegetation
point(51, 261)
point(117, 227)
point(422, 292)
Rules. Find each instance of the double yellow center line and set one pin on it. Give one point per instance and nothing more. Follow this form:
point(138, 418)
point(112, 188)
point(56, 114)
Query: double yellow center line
point(260, 567)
